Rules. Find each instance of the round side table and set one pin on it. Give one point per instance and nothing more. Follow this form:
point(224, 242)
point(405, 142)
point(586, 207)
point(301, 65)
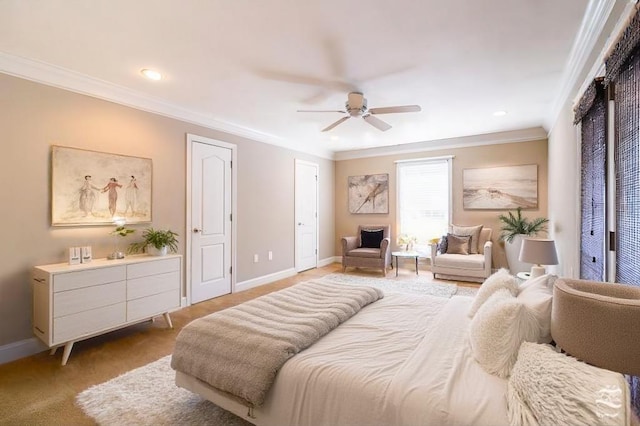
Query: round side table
point(405, 255)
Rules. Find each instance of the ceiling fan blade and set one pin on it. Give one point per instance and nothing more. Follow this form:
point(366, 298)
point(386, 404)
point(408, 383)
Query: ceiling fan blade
point(395, 109)
point(321, 110)
point(331, 126)
point(376, 122)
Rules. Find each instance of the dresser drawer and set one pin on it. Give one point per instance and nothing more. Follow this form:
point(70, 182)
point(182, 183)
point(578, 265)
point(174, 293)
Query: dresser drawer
point(84, 299)
point(154, 284)
point(145, 269)
point(87, 278)
point(72, 327)
point(153, 305)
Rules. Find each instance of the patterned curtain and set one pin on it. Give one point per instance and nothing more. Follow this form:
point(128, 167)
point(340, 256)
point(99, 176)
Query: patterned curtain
point(592, 112)
point(623, 70)
point(627, 167)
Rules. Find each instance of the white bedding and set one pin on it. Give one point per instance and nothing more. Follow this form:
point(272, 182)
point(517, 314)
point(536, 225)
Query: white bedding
point(404, 360)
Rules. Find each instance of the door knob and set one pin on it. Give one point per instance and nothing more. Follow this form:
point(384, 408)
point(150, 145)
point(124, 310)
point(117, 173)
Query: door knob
point(196, 230)
point(300, 223)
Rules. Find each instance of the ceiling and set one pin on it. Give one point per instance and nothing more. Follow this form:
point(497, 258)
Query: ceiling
point(248, 66)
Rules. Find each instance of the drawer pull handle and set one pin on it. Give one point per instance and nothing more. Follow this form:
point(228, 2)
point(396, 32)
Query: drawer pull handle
point(39, 330)
point(40, 280)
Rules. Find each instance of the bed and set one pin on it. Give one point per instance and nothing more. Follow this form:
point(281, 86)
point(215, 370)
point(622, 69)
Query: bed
point(403, 360)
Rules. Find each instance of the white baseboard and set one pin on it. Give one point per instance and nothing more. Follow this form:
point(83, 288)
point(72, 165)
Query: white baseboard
point(21, 349)
point(329, 261)
point(265, 279)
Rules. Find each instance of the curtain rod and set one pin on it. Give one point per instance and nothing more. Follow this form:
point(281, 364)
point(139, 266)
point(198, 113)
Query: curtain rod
point(416, 160)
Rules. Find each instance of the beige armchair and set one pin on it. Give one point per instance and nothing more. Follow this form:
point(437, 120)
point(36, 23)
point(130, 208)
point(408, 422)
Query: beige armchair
point(353, 254)
point(461, 267)
point(597, 323)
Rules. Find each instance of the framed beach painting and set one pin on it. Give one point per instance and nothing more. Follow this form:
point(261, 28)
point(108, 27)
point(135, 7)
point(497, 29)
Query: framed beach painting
point(96, 188)
point(498, 188)
point(369, 194)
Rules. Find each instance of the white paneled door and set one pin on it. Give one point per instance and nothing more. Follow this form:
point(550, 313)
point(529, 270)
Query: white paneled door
point(211, 220)
point(306, 215)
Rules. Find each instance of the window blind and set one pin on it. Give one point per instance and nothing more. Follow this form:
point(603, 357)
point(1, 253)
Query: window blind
point(593, 183)
point(424, 199)
point(627, 171)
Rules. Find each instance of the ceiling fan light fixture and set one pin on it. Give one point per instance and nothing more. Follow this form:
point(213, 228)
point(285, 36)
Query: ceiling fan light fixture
point(151, 74)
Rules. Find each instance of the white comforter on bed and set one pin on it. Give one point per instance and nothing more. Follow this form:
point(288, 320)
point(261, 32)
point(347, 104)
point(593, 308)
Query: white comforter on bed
point(404, 360)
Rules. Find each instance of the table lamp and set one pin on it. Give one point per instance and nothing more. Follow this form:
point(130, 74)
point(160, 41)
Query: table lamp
point(539, 252)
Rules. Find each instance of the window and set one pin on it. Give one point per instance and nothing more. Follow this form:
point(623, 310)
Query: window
point(424, 198)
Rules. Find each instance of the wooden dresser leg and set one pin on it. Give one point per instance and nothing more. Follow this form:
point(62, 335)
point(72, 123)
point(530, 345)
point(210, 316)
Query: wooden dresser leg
point(67, 352)
point(53, 350)
point(167, 318)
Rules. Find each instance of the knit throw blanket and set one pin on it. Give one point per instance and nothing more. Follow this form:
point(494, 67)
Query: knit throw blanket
point(241, 349)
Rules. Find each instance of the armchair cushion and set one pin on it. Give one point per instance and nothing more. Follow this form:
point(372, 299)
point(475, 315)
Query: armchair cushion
point(442, 245)
point(371, 238)
point(458, 244)
point(365, 252)
point(473, 232)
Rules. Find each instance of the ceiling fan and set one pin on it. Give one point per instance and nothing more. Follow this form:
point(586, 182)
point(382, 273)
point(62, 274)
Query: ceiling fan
point(356, 106)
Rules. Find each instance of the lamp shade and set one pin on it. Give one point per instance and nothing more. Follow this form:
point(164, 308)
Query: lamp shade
point(539, 252)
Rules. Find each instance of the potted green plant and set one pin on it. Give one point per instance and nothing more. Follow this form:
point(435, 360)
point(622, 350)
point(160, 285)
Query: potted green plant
point(121, 231)
point(156, 241)
point(514, 228)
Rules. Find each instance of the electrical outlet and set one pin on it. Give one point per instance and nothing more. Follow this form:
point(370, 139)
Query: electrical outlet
point(270, 255)
point(255, 258)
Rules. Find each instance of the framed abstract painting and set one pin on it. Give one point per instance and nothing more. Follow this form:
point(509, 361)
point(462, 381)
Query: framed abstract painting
point(96, 188)
point(369, 194)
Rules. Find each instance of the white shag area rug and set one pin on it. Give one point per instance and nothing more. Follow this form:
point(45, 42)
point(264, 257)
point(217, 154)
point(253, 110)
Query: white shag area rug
point(149, 396)
point(417, 285)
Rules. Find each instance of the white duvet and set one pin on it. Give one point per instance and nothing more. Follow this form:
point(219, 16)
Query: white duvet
point(404, 360)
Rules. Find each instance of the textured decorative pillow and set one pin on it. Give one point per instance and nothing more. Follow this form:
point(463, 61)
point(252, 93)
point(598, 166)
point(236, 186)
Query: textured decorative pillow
point(537, 295)
point(497, 331)
point(550, 388)
point(473, 231)
point(371, 238)
point(457, 244)
point(496, 281)
point(442, 245)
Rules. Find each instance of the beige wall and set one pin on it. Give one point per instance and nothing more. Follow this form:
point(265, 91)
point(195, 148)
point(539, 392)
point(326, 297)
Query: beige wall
point(475, 157)
point(33, 117)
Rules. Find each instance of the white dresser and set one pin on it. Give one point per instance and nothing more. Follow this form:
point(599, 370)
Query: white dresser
point(75, 302)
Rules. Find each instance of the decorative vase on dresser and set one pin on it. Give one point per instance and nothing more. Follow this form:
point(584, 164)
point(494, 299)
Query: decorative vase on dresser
point(76, 302)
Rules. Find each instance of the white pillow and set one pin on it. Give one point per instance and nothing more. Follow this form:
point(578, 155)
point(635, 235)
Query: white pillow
point(537, 294)
point(550, 388)
point(497, 330)
point(493, 283)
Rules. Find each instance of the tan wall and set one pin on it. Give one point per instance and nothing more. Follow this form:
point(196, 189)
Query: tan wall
point(33, 117)
point(465, 158)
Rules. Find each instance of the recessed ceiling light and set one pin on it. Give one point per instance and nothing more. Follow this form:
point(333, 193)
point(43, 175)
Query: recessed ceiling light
point(334, 138)
point(500, 113)
point(151, 74)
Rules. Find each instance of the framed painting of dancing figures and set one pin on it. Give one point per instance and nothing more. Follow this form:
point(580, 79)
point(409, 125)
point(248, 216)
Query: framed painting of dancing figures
point(98, 188)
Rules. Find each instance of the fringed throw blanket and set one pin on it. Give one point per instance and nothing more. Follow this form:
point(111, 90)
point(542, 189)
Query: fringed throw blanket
point(240, 350)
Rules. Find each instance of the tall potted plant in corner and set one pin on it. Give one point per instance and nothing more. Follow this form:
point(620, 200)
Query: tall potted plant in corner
point(157, 242)
point(514, 228)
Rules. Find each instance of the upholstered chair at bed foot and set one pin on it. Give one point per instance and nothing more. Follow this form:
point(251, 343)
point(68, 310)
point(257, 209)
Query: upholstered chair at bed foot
point(597, 322)
point(370, 248)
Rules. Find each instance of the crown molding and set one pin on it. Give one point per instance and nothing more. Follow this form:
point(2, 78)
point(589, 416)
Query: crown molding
point(593, 23)
point(62, 78)
point(514, 136)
